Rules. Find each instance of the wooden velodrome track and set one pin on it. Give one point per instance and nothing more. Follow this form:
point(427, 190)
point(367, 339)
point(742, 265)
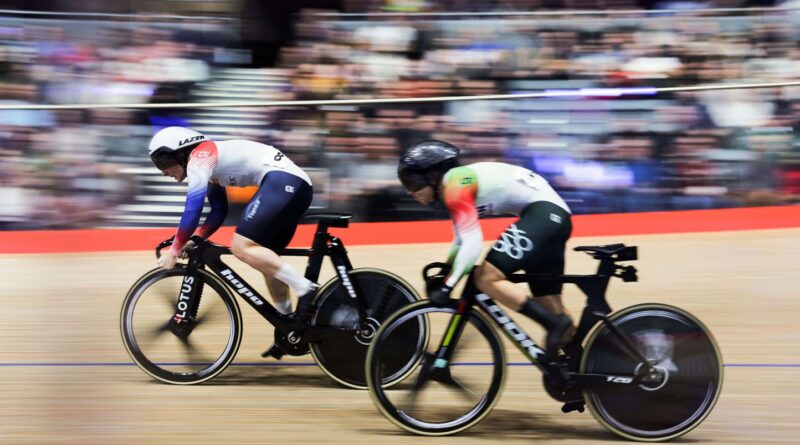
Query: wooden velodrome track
point(65, 376)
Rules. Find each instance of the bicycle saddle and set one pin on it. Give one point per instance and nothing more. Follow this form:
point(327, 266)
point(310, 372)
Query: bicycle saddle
point(623, 252)
point(334, 219)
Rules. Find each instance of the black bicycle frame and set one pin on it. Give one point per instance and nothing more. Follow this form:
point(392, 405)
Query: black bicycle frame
point(207, 254)
point(596, 309)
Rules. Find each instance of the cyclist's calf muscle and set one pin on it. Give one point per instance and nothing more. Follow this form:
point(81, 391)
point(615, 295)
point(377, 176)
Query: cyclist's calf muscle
point(272, 267)
point(493, 282)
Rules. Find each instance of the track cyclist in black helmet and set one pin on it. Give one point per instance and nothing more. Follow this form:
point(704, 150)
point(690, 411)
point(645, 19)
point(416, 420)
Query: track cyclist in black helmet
point(430, 171)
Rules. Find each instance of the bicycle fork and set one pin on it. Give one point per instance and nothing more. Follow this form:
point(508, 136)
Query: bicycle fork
point(184, 320)
point(436, 367)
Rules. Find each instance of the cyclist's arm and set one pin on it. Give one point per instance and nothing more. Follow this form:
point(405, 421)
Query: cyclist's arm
point(454, 248)
point(460, 190)
point(202, 163)
point(219, 210)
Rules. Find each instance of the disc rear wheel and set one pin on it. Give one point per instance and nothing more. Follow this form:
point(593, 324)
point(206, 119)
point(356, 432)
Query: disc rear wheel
point(343, 358)
point(687, 364)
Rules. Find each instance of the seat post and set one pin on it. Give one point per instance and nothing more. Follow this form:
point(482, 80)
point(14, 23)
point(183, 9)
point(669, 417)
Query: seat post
point(606, 266)
point(319, 248)
point(322, 229)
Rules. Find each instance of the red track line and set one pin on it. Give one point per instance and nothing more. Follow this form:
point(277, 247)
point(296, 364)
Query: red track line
point(114, 240)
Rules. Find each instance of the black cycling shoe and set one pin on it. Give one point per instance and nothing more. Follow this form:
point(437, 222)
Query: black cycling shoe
point(577, 405)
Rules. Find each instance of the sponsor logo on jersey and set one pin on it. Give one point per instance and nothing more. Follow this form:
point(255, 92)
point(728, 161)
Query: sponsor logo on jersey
point(555, 218)
point(252, 209)
point(513, 243)
point(289, 189)
point(484, 210)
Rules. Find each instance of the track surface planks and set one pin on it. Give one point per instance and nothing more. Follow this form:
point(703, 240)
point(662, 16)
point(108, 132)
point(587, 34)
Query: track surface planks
point(65, 377)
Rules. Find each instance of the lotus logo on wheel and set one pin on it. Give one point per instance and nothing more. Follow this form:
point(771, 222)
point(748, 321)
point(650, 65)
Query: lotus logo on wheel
point(186, 290)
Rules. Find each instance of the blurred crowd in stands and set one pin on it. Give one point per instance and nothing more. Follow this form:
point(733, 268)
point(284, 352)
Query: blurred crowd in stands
point(615, 150)
point(612, 153)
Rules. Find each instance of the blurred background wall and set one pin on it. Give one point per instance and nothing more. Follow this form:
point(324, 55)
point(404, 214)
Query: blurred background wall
point(688, 150)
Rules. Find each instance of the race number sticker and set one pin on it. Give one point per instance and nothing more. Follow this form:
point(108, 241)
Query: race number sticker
point(532, 180)
point(276, 159)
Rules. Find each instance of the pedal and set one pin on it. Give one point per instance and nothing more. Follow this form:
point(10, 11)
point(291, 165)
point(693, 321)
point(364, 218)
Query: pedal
point(275, 351)
point(577, 405)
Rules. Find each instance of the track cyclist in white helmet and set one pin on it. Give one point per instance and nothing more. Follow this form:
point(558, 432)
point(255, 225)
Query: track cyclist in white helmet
point(267, 223)
point(429, 170)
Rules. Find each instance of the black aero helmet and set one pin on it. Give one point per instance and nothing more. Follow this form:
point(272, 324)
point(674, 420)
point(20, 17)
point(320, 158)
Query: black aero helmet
point(424, 163)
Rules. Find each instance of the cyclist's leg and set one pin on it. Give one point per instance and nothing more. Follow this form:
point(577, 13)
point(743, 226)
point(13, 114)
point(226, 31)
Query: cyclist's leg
point(548, 293)
point(492, 281)
point(279, 290)
point(257, 256)
point(552, 303)
point(268, 223)
point(535, 243)
point(280, 295)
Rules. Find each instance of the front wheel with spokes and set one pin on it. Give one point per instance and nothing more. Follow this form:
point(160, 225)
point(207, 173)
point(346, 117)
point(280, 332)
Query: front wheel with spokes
point(686, 370)
point(193, 351)
point(439, 397)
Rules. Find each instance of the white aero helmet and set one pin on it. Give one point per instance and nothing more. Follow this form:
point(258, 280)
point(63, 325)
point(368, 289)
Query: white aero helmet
point(165, 144)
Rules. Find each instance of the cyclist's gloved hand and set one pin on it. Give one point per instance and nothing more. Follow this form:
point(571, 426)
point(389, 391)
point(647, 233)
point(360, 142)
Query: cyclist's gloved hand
point(167, 260)
point(186, 249)
point(439, 294)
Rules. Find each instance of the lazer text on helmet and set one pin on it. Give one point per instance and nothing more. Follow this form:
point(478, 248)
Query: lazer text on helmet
point(191, 139)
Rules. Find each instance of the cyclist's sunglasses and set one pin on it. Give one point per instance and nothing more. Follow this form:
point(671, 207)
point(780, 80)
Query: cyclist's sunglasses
point(414, 182)
point(164, 158)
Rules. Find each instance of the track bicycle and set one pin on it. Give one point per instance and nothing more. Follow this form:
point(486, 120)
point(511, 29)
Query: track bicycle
point(184, 326)
point(649, 372)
